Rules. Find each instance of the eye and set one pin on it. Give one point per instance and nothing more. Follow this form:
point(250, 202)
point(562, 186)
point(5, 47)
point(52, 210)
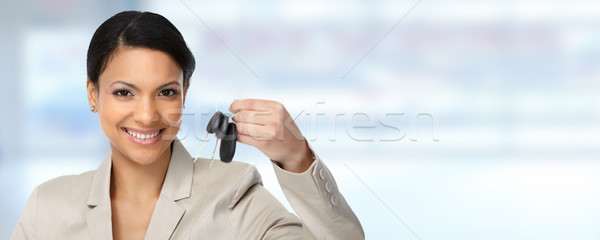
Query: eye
point(168, 92)
point(122, 93)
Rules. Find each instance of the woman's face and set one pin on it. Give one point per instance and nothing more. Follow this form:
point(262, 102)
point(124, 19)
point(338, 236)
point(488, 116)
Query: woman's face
point(139, 100)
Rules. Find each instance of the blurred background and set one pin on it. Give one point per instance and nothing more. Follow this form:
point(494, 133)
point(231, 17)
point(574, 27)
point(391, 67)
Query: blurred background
point(439, 119)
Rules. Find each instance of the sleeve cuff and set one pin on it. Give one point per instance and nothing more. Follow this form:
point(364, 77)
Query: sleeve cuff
point(315, 186)
point(277, 166)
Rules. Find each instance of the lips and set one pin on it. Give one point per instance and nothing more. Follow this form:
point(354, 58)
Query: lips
point(143, 137)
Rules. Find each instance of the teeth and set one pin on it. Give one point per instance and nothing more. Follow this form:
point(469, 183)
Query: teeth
point(142, 136)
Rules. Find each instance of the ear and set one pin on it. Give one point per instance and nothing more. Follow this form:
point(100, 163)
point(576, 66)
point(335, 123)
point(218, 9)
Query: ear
point(92, 93)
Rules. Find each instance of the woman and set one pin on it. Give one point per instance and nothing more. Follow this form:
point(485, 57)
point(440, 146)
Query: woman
point(149, 187)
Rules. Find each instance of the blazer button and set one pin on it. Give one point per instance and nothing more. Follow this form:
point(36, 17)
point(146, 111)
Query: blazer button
point(334, 200)
point(322, 174)
point(327, 187)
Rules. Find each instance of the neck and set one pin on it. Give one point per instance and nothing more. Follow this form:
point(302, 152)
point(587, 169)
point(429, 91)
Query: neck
point(132, 181)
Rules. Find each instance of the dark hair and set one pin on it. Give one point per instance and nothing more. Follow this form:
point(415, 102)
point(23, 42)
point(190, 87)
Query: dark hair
point(137, 29)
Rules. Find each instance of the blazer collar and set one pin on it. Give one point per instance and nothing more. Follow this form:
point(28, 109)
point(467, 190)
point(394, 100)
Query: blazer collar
point(100, 189)
point(178, 181)
point(167, 213)
point(99, 217)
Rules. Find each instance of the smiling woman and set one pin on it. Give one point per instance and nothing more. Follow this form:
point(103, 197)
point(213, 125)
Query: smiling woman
point(137, 85)
point(149, 187)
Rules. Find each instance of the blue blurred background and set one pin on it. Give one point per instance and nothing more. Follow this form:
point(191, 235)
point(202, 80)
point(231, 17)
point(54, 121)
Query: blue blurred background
point(464, 120)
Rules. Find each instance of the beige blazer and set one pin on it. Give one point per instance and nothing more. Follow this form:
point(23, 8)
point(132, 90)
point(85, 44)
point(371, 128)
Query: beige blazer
point(226, 201)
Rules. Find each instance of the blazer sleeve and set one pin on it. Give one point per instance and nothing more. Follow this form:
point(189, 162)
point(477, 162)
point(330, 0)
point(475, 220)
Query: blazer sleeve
point(26, 225)
point(316, 199)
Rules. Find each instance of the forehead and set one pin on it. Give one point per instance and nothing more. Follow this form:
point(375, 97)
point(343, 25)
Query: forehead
point(141, 66)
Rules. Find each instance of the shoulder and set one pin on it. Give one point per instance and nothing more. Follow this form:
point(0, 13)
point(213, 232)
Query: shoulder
point(227, 181)
point(253, 212)
point(68, 181)
point(65, 189)
point(227, 174)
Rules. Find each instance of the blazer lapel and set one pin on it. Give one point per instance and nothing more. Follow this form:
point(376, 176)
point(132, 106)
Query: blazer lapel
point(99, 222)
point(177, 186)
point(98, 218)
point(165, 219)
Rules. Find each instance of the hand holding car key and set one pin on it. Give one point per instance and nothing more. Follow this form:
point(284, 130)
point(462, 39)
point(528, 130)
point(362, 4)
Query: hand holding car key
point(266, 125)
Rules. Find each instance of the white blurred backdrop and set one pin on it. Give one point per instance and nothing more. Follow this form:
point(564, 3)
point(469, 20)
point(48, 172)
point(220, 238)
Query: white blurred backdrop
point(456, 120)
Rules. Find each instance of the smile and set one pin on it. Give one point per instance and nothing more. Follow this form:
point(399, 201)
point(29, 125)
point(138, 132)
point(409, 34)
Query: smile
point(143, 137)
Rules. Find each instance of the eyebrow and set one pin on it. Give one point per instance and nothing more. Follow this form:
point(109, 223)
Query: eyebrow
point(137, 89)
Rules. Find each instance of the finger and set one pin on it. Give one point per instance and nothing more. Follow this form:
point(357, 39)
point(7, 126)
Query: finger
point(255, 117)
point(250, 141)
point(254, 131)
point(251, 104)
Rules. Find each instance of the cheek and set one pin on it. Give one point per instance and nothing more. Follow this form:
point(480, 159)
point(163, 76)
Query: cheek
point(112, 112)
point(172, 115)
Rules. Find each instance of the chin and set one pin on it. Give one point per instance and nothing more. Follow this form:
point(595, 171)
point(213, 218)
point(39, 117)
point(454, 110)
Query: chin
point(145, 157)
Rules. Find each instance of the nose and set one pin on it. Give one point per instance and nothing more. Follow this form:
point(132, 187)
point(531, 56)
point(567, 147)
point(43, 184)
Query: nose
point(146, 112)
